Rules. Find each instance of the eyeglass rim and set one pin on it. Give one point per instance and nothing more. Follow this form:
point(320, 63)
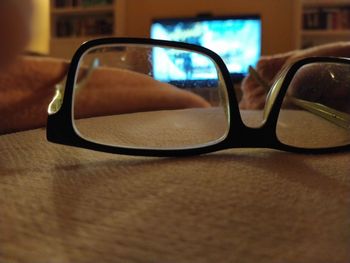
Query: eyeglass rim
point(61, 130)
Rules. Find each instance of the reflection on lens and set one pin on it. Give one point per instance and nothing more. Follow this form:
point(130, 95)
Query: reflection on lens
point(316, 108)
point(142, 96)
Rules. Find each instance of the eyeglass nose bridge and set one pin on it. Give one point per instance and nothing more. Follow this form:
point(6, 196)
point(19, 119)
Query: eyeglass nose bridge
point(253, 137)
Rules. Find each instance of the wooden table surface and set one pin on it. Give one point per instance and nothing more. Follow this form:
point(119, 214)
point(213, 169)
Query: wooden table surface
point(61, 204)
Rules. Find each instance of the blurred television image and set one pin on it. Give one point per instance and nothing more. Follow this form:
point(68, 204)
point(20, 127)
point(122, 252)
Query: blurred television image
point(236, 39)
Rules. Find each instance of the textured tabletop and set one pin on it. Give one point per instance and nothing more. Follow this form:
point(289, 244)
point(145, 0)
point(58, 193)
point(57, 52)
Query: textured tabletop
point(61, 204)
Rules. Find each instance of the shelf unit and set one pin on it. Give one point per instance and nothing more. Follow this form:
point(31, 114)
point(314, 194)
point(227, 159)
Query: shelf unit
point(76, 21)
point(325, 21)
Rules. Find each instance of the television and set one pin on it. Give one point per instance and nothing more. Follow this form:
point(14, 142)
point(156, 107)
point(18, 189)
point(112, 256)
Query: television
point(237, 39)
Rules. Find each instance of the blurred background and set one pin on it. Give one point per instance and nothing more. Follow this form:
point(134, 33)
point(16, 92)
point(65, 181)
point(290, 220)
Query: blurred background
point(60, 26)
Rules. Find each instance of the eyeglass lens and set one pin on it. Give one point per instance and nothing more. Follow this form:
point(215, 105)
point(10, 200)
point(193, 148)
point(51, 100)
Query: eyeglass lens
point(142, 96)
point(316, 108)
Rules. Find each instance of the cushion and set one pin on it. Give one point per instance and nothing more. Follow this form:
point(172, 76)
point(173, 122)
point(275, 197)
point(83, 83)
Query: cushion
point(60, 203)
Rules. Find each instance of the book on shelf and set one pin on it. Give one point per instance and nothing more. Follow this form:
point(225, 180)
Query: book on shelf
point(326, 18)
point(81, 3)
point(84, 26)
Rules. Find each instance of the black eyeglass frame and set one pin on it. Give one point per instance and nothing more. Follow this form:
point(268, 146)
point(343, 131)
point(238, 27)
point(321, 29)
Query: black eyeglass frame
point(60, 127)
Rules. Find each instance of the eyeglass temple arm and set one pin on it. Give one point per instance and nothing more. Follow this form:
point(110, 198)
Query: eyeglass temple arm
point(339, 118)
point(57, 100)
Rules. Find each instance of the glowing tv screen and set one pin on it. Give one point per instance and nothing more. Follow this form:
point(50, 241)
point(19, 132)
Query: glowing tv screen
point(236, 39)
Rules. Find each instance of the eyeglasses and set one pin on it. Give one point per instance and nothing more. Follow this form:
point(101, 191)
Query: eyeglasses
point(162, 98)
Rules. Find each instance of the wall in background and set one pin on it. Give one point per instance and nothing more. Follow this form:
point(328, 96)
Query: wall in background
point(40, 27)
point(281, 19)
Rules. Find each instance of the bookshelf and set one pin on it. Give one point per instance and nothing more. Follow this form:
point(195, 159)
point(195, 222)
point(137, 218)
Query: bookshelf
point(325, 21)
point(75, 21)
